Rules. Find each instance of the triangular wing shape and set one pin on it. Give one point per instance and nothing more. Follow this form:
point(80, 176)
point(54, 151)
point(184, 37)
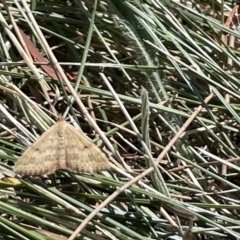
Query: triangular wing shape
point(42, 156)
point(61, 147)
point(81, 155)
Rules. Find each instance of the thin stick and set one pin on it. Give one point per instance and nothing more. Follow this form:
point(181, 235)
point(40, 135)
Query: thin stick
point(146, 172)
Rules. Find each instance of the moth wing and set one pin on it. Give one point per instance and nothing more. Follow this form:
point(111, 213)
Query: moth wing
point(42, 156)
point(81, 155)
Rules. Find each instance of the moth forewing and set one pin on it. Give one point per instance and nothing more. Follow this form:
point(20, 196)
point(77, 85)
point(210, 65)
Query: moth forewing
point(61, 147)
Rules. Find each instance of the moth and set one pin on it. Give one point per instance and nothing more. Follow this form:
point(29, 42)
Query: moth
point(61, 147)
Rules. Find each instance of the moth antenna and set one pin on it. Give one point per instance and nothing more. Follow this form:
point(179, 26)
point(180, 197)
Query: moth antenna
point(60, 118)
